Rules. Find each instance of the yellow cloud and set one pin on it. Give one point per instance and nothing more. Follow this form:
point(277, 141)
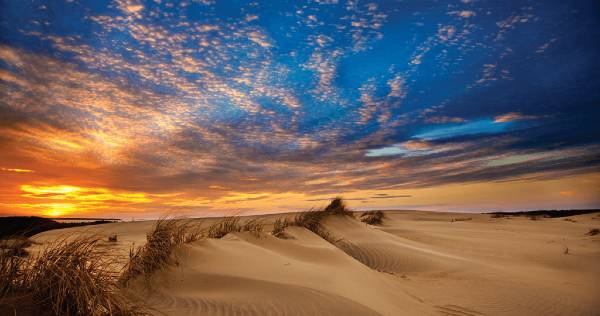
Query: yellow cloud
point(67, 192)
point(16, 170)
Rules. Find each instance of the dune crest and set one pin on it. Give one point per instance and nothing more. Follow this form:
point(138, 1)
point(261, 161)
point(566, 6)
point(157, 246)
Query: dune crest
point(415, 263)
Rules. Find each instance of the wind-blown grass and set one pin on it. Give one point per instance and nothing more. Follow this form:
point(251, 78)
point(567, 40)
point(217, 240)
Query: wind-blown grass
point(233, 224)
point(67, 277)
point(311, 220)
point(372, 217)
point(156, 253)
point(338, 207)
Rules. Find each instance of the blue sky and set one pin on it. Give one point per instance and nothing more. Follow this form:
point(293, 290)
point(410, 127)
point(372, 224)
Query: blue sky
point(178, 96)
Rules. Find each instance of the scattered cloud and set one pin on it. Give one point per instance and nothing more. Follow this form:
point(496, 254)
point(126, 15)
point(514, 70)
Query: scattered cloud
point(144, 106)
point(512, 116)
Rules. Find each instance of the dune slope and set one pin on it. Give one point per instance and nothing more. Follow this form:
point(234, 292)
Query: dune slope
point(416, 263)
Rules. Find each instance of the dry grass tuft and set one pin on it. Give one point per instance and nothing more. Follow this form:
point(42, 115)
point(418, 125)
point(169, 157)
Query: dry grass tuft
point(338, 207)
point(68, 277)
point(254, 226)
point(232, 224)
point(11, 274)
point(279, 227)
point(310, 220)
point(15, 246)
point(461, 219)
point(156, 253)
point(593, 232)
point(224, 226)
point(372, 217)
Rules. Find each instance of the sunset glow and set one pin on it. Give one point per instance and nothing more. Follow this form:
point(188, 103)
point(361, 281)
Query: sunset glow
point(201, 108)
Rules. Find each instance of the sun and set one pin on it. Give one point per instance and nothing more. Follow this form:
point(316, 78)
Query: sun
point(58, 209)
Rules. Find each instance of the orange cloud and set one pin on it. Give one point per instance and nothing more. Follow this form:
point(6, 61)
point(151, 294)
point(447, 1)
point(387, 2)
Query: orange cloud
point(512, 116)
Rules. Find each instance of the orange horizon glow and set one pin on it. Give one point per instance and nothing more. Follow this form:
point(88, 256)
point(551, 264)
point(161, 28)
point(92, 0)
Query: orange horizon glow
point(225, 112)
point(63, 200)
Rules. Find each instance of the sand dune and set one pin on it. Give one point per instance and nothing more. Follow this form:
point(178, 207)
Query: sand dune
point(416, 263)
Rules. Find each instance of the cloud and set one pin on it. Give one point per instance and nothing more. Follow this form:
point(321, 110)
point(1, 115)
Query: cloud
point(471, 128)
point(390, 196)
point(512, 116)
point(223, 108)
point(17, 170)
point(568, 193)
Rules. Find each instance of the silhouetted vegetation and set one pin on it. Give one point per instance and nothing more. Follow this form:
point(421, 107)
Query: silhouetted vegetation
point(30, 225)
point(338, 207)
point(543, 213)
point(15, 246)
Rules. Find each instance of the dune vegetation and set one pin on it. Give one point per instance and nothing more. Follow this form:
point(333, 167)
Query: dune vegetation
point(83, 274)
point(74, 276)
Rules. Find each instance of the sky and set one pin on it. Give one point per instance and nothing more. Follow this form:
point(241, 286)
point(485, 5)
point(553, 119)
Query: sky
point(204, 108)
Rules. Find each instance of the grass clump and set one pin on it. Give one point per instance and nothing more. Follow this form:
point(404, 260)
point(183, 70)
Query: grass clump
point(279, 226)
point(224, 226)
point(372, 217)
point(254, 226)
point(593, 232)
point(311, 220)
point(232, 224)
point(16, 246)
point(338, 207)
point(461, 219)
point(156, 253)
point(67, 277)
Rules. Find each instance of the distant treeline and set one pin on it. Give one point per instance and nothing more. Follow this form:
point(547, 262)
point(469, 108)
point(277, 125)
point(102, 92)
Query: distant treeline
point(545, 213)
point(30, 225)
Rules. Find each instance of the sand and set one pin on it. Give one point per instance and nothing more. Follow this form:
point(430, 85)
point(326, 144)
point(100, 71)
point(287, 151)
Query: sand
point(416, 263)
